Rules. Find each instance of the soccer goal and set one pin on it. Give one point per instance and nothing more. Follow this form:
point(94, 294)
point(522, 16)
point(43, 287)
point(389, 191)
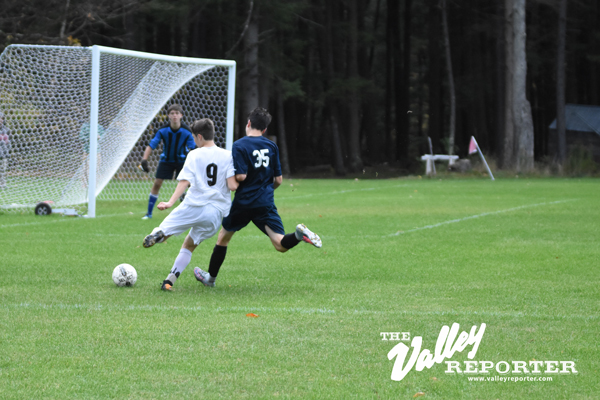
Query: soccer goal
point(79, 119)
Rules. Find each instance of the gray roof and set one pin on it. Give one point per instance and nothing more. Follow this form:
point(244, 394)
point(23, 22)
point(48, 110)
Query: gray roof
point(581, 118)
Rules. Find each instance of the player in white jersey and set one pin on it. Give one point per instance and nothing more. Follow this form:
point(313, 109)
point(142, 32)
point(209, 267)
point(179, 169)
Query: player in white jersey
point(208, 170)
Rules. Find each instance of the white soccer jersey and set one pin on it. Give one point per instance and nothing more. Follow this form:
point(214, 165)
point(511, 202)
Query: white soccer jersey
point(207, 170)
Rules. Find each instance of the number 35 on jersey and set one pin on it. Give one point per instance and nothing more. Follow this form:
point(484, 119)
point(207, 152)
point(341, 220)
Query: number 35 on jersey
point(262, 157)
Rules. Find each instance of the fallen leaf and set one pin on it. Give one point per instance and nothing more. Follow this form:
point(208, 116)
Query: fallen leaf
point(419, 394)
point(251, 315)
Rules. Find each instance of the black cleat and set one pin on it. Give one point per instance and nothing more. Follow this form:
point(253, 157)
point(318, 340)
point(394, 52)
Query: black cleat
point(166, 285)
point(153, 238)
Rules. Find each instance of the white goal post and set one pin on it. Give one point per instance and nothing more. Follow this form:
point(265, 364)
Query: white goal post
point(79, 118)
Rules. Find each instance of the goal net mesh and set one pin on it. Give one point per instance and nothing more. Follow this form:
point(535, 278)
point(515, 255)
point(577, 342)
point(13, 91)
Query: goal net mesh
point(45, 103)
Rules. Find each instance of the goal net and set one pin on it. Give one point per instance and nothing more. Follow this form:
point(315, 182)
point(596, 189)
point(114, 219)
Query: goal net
point(55, 99)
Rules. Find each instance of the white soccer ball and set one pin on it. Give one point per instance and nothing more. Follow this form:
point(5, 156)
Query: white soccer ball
point(124, 275)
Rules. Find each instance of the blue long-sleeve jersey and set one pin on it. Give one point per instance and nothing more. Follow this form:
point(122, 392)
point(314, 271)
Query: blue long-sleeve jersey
point(176, 145)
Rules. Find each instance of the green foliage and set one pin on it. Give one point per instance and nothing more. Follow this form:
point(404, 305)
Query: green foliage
point(404, 255)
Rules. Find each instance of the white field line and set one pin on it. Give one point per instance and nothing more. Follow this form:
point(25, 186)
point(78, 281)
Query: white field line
point(454, 221)
point(501, 314)
point(290, 310)
point(63, 219)
point(68, 219)
point(112, 307)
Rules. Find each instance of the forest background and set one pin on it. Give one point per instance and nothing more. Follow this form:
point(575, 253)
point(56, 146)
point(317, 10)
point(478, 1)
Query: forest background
point(357, 83)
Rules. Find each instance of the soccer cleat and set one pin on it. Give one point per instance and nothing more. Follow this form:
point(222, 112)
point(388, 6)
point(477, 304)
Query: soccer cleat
point(153, 238)
point(166, 285)
point(147, 216)
point(308, 236)
point(204, 277)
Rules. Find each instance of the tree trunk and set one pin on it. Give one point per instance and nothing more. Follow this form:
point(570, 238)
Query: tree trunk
point(560, 82)
point(451, 93)
point(64, 22)
point(436, 115)
point(355, 162)
point(499, 86)
point(522, 108)
point(391, 40)
point(508, 157)
point(338, 154)
point(403, 90)
point(281, 137)
point(251, 92)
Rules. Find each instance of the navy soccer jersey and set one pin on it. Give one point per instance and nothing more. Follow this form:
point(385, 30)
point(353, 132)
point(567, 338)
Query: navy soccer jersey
point(176, 144)
point(258, 158)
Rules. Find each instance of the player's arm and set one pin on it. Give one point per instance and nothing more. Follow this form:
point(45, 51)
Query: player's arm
point(277, 181)
point(232, 183)
point(144, 163)
point(152, 145)
point(181, 186)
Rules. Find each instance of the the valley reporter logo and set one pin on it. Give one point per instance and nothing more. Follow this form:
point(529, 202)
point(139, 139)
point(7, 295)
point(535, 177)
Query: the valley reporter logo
point(449, 341)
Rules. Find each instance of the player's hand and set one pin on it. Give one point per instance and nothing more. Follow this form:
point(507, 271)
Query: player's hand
point(144, 166)
point(164, 205)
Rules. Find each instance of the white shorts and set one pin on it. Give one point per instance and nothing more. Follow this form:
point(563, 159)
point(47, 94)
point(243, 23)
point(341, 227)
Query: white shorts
point(204, 221)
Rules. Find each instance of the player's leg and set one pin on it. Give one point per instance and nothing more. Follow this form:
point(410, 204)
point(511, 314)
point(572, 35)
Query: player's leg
point(180, 220)
point(216, 259)
point(181, 262)
point(277, 238)
point(204, 223)
point(270, 223)
point(237, 219)
point(164, 171)
point(153, 198)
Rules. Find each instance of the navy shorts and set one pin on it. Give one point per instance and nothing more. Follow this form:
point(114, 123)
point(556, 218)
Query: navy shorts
point(239, 217)
point(165, 170)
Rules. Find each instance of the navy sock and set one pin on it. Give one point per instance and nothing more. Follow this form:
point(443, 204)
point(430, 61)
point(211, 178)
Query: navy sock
point(151, 202)
point(290, 240)
point(216, 260)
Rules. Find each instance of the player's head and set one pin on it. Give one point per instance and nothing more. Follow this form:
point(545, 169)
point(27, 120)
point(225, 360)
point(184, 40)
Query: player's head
point(204, 127)
point(259, 119)
point(175, 114)
point(175, 107)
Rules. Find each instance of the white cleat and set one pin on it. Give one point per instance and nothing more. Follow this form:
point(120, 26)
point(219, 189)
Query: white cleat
point(204, 277)
point(308, 236)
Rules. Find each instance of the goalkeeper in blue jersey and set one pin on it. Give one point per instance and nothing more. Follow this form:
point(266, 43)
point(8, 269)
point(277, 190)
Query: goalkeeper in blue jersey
point(258, 171)
point(177, 141)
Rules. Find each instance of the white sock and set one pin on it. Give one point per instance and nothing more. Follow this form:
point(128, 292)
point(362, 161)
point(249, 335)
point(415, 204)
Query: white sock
point(181, 262)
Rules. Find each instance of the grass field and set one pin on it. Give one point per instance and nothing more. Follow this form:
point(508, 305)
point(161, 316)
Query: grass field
point(402, 255)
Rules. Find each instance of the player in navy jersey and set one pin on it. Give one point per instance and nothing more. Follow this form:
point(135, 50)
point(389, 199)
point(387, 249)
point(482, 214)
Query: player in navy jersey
point(258, 171)
point(177, 142)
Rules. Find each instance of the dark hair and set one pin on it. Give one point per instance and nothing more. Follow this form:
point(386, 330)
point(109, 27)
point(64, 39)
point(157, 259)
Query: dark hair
point(175, 107)
point(204, 127)
point(259, 118)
